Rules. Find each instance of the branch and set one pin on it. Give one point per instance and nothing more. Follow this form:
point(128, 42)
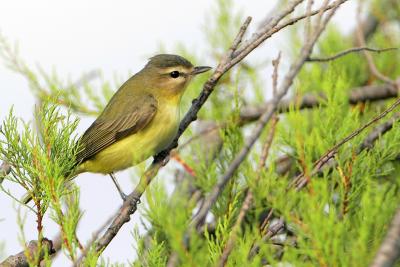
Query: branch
point(357, 95)
point(22, 259)
point(361, 39)
point(349, 51)
point(380, 130)
point(389, 252)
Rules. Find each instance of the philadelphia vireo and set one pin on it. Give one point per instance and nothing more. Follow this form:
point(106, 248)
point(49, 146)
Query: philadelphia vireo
point(141, 119)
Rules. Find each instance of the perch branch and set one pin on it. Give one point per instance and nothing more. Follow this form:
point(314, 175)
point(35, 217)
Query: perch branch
point(389, 251)
point(22, 258)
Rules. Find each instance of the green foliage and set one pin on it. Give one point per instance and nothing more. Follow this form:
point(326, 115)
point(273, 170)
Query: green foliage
point(41, 158)
point(339, 219)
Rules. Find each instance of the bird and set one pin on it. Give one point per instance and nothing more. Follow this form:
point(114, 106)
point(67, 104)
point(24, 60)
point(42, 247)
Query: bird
point(139, 121)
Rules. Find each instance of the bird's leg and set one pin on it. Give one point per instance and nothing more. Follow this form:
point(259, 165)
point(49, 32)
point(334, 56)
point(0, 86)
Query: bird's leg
point(121, 193)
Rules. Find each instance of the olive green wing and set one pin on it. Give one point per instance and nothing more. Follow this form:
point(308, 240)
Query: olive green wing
point(105, 132)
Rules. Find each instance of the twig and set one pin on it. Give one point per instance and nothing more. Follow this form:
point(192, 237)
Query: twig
point(300, 181)
point(378, 131)
point(349, 51)
point(22, 258)
point(273, 230)
point(389, 252)
point(361, 39)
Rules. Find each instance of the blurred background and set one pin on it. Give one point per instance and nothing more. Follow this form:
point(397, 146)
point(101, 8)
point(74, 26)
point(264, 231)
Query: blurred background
point(113, 38)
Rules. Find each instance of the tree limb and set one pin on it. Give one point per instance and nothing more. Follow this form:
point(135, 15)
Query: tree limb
point(21, 259)
point(389, 252)
point(369, 93)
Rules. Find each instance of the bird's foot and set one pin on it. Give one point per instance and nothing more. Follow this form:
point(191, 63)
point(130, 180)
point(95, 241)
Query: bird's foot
point(134, 202)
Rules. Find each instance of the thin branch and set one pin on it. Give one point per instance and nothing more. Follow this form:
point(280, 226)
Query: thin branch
point(349, 51)
point(22, 258)
point(301, 180)
point(272, 231)
point(378, 131)
point(389, 252)
point(361, 39)
point(369, 93)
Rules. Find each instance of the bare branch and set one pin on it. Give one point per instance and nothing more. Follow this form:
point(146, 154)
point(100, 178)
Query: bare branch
point(349, 51)
point(21, 259)
point(357, 95)
point(273, 230)
point(378, 131)
point(389, 252)
point(361, 39)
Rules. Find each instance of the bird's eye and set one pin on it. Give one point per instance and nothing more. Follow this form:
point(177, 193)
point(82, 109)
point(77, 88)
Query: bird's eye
point(175, 74)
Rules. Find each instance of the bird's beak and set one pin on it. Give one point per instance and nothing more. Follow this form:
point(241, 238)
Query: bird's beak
point(200, 69)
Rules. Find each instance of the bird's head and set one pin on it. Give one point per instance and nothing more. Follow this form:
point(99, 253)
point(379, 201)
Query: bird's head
point(168, 75)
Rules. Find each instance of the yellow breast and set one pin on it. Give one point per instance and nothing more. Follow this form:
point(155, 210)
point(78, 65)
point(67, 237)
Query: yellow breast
point(156, 136)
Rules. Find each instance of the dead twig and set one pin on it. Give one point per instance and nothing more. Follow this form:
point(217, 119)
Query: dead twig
point(389, 251)
point(349, 51)
point(361, 39)
point(272, 231)
point(31, 251)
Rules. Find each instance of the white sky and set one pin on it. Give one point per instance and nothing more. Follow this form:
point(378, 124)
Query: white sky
point(114, 36)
